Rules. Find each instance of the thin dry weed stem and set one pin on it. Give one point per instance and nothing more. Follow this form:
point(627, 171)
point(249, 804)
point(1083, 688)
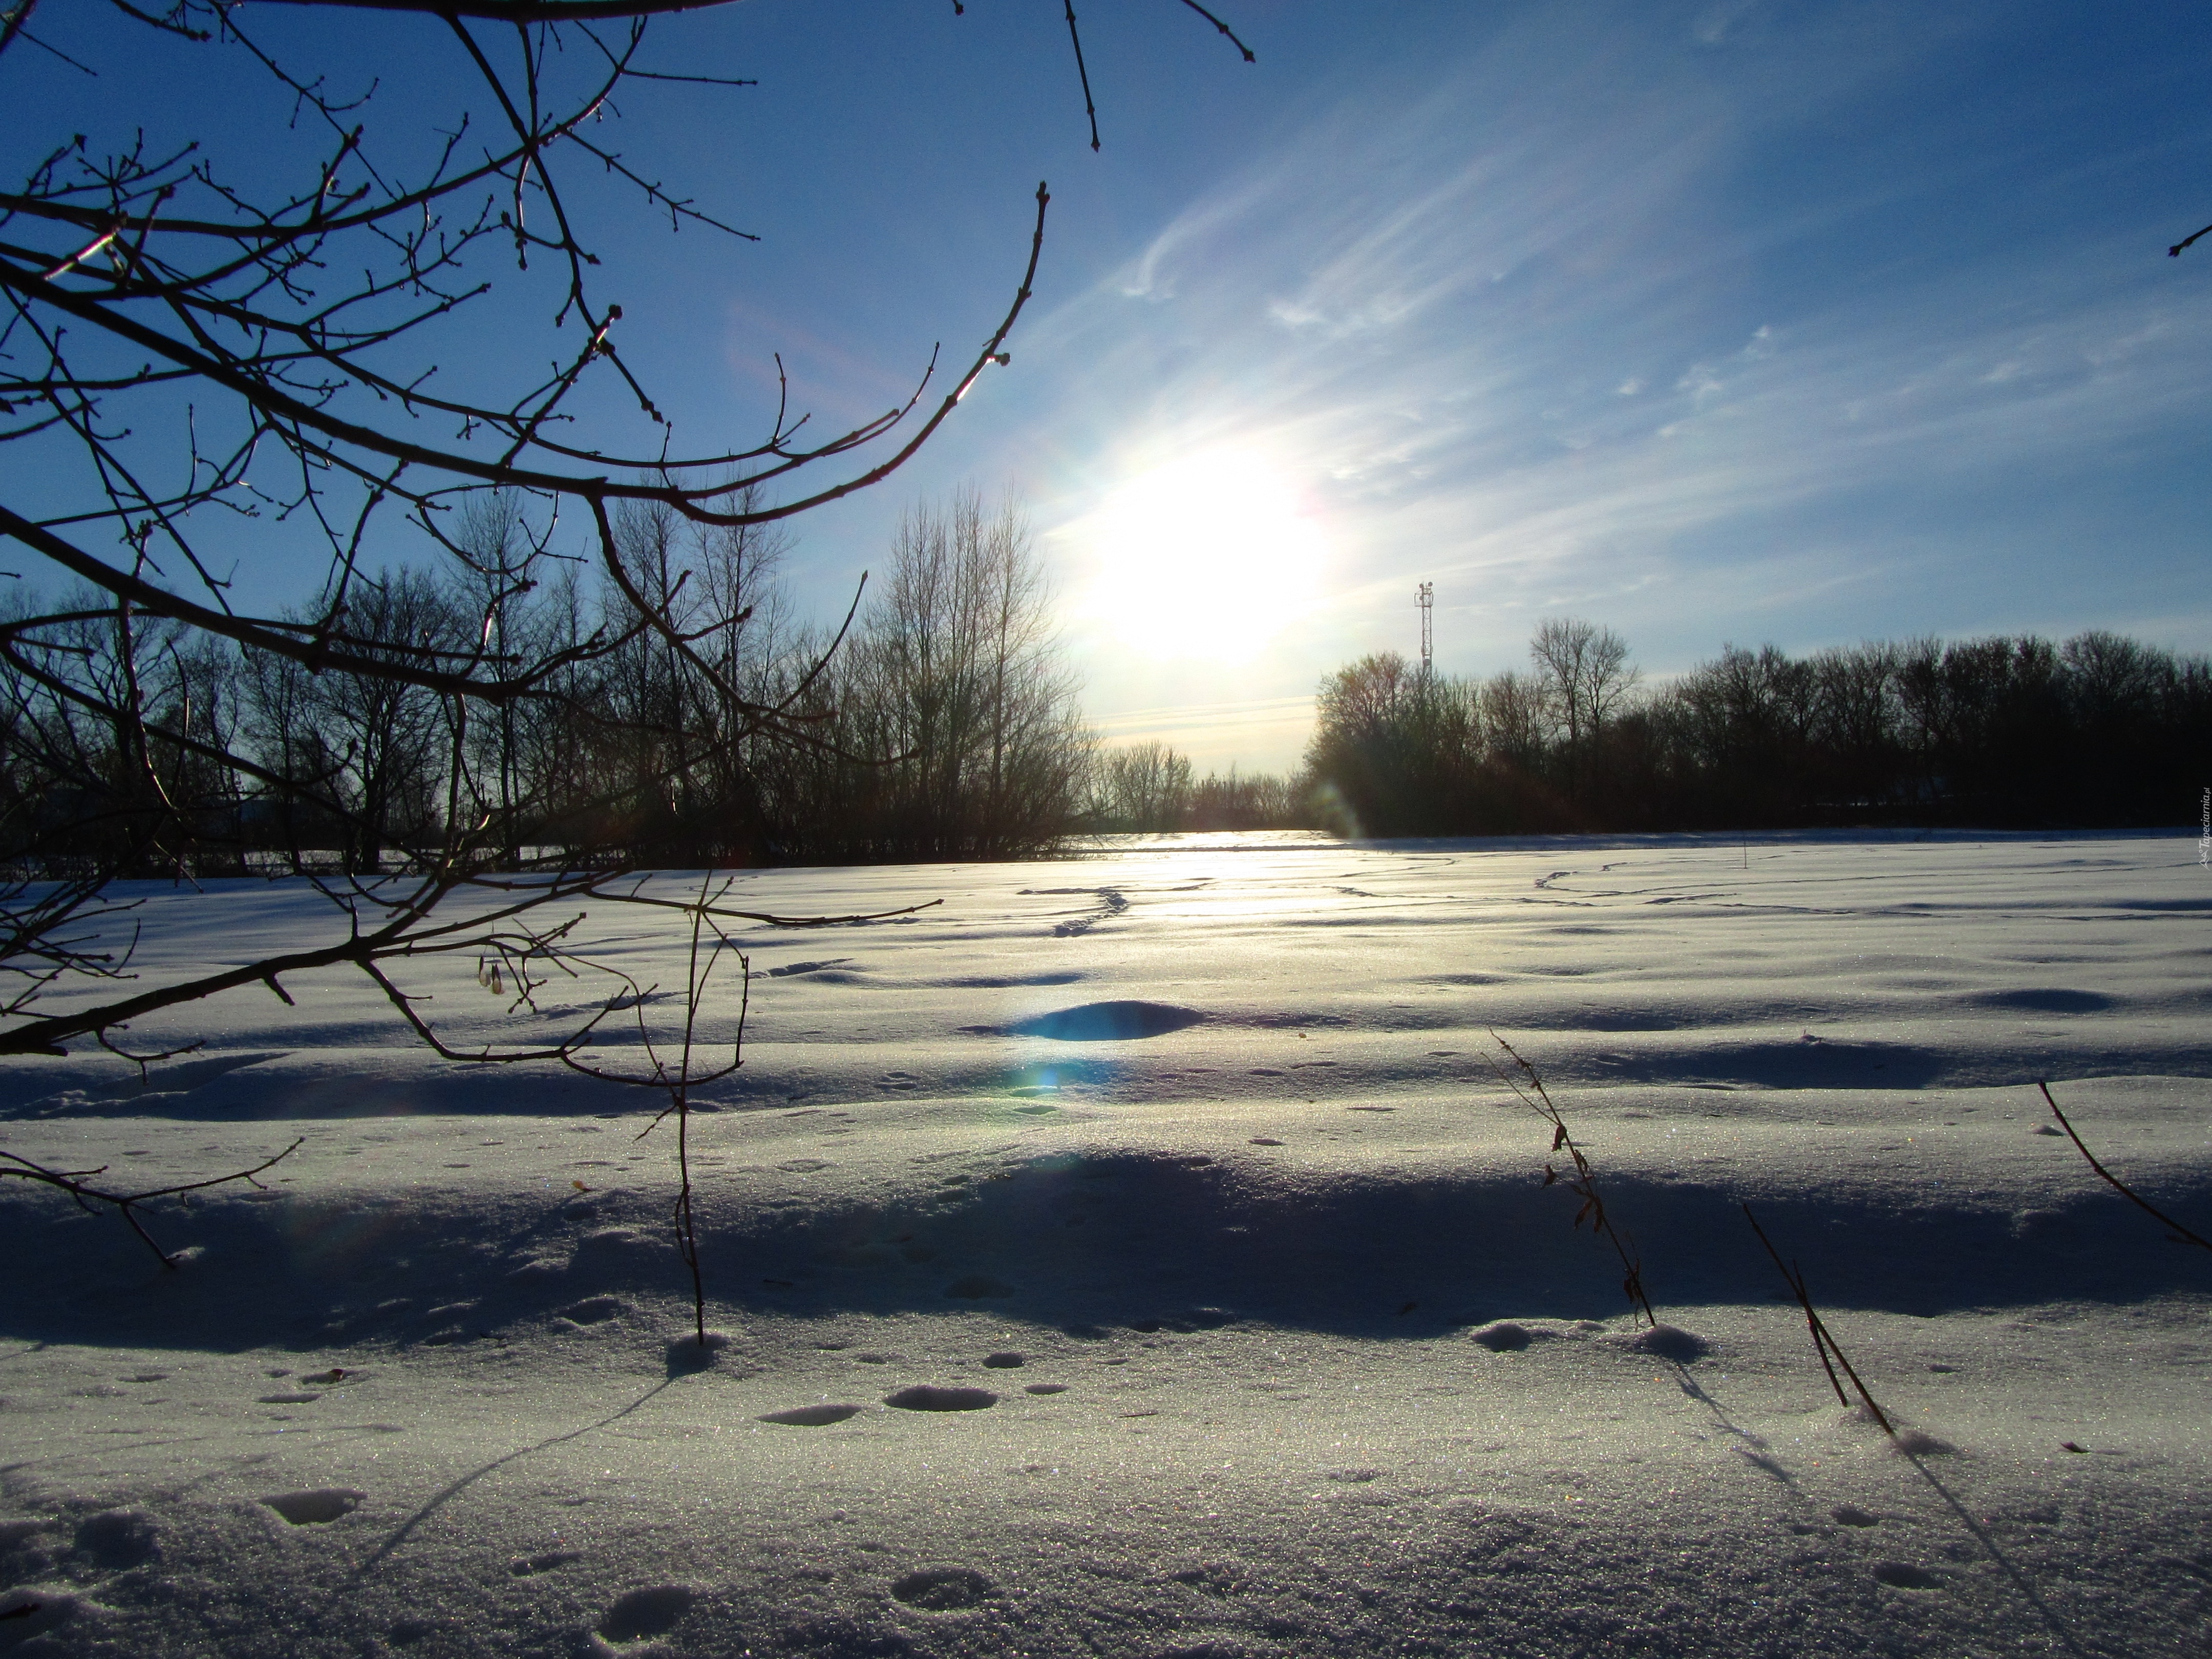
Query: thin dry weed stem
point(2180, 1234)
point(1528, 1087)
point(674, 1072)
point(1823, 1344)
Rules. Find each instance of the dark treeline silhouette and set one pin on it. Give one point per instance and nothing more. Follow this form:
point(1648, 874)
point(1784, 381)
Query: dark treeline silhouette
point(942, 725)
point(940, 722)
point(2101, 730)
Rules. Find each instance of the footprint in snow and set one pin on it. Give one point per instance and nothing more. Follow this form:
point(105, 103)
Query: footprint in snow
point(116, 1539)
point(928, 1397)
point(594, 1310)
point(811, 1417)
point(943, 1589)
point(1903, 1575)
point(643, 1612)
point(315, 1506)
point(528, 1566)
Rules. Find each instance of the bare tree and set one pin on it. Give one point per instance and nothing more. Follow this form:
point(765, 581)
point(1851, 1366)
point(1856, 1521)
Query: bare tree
point(955, 705)
point(1511, 710)
point(1585, 674)
point(392, 749)
point(1147, 786)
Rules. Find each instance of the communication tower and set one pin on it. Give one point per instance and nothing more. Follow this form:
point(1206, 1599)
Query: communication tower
point(1428, 634)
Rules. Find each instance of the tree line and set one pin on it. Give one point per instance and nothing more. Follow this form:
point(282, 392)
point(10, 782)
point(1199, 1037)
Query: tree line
point(941, 721)
point(938, 722)
point(1999, 732)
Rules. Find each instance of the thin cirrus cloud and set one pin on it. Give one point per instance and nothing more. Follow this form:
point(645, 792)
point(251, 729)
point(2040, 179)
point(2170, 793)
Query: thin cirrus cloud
point(1542, 335)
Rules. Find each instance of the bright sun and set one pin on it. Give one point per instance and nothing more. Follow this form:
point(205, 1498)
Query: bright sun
point(1210, 557)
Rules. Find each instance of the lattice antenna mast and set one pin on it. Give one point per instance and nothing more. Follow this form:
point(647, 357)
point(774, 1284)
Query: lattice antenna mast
point(1428, 601)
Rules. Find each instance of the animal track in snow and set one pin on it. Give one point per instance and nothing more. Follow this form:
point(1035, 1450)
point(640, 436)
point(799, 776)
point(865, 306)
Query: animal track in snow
point(1111, 903)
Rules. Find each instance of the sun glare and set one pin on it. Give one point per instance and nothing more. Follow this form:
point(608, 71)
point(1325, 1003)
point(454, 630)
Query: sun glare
point(1209, 558)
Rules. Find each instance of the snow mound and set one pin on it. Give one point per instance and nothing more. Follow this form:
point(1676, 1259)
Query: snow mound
point(1108, 1022)
point(1514, 1335)
point(1661, 1342)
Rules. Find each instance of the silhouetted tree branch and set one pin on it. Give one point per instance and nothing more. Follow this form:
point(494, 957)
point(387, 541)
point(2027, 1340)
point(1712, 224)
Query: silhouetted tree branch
point(78, 1184)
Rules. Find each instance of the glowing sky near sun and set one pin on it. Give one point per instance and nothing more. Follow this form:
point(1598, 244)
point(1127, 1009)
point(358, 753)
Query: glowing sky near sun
point(1207, 558)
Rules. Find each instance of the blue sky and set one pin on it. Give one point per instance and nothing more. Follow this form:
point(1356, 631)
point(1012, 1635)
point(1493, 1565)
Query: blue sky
point(1713, 321)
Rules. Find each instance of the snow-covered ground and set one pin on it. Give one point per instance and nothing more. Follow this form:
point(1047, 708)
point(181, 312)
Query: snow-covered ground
point(1189, 1156)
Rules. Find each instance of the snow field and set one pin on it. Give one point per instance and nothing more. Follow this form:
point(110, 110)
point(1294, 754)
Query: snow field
point(1189, 1157)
